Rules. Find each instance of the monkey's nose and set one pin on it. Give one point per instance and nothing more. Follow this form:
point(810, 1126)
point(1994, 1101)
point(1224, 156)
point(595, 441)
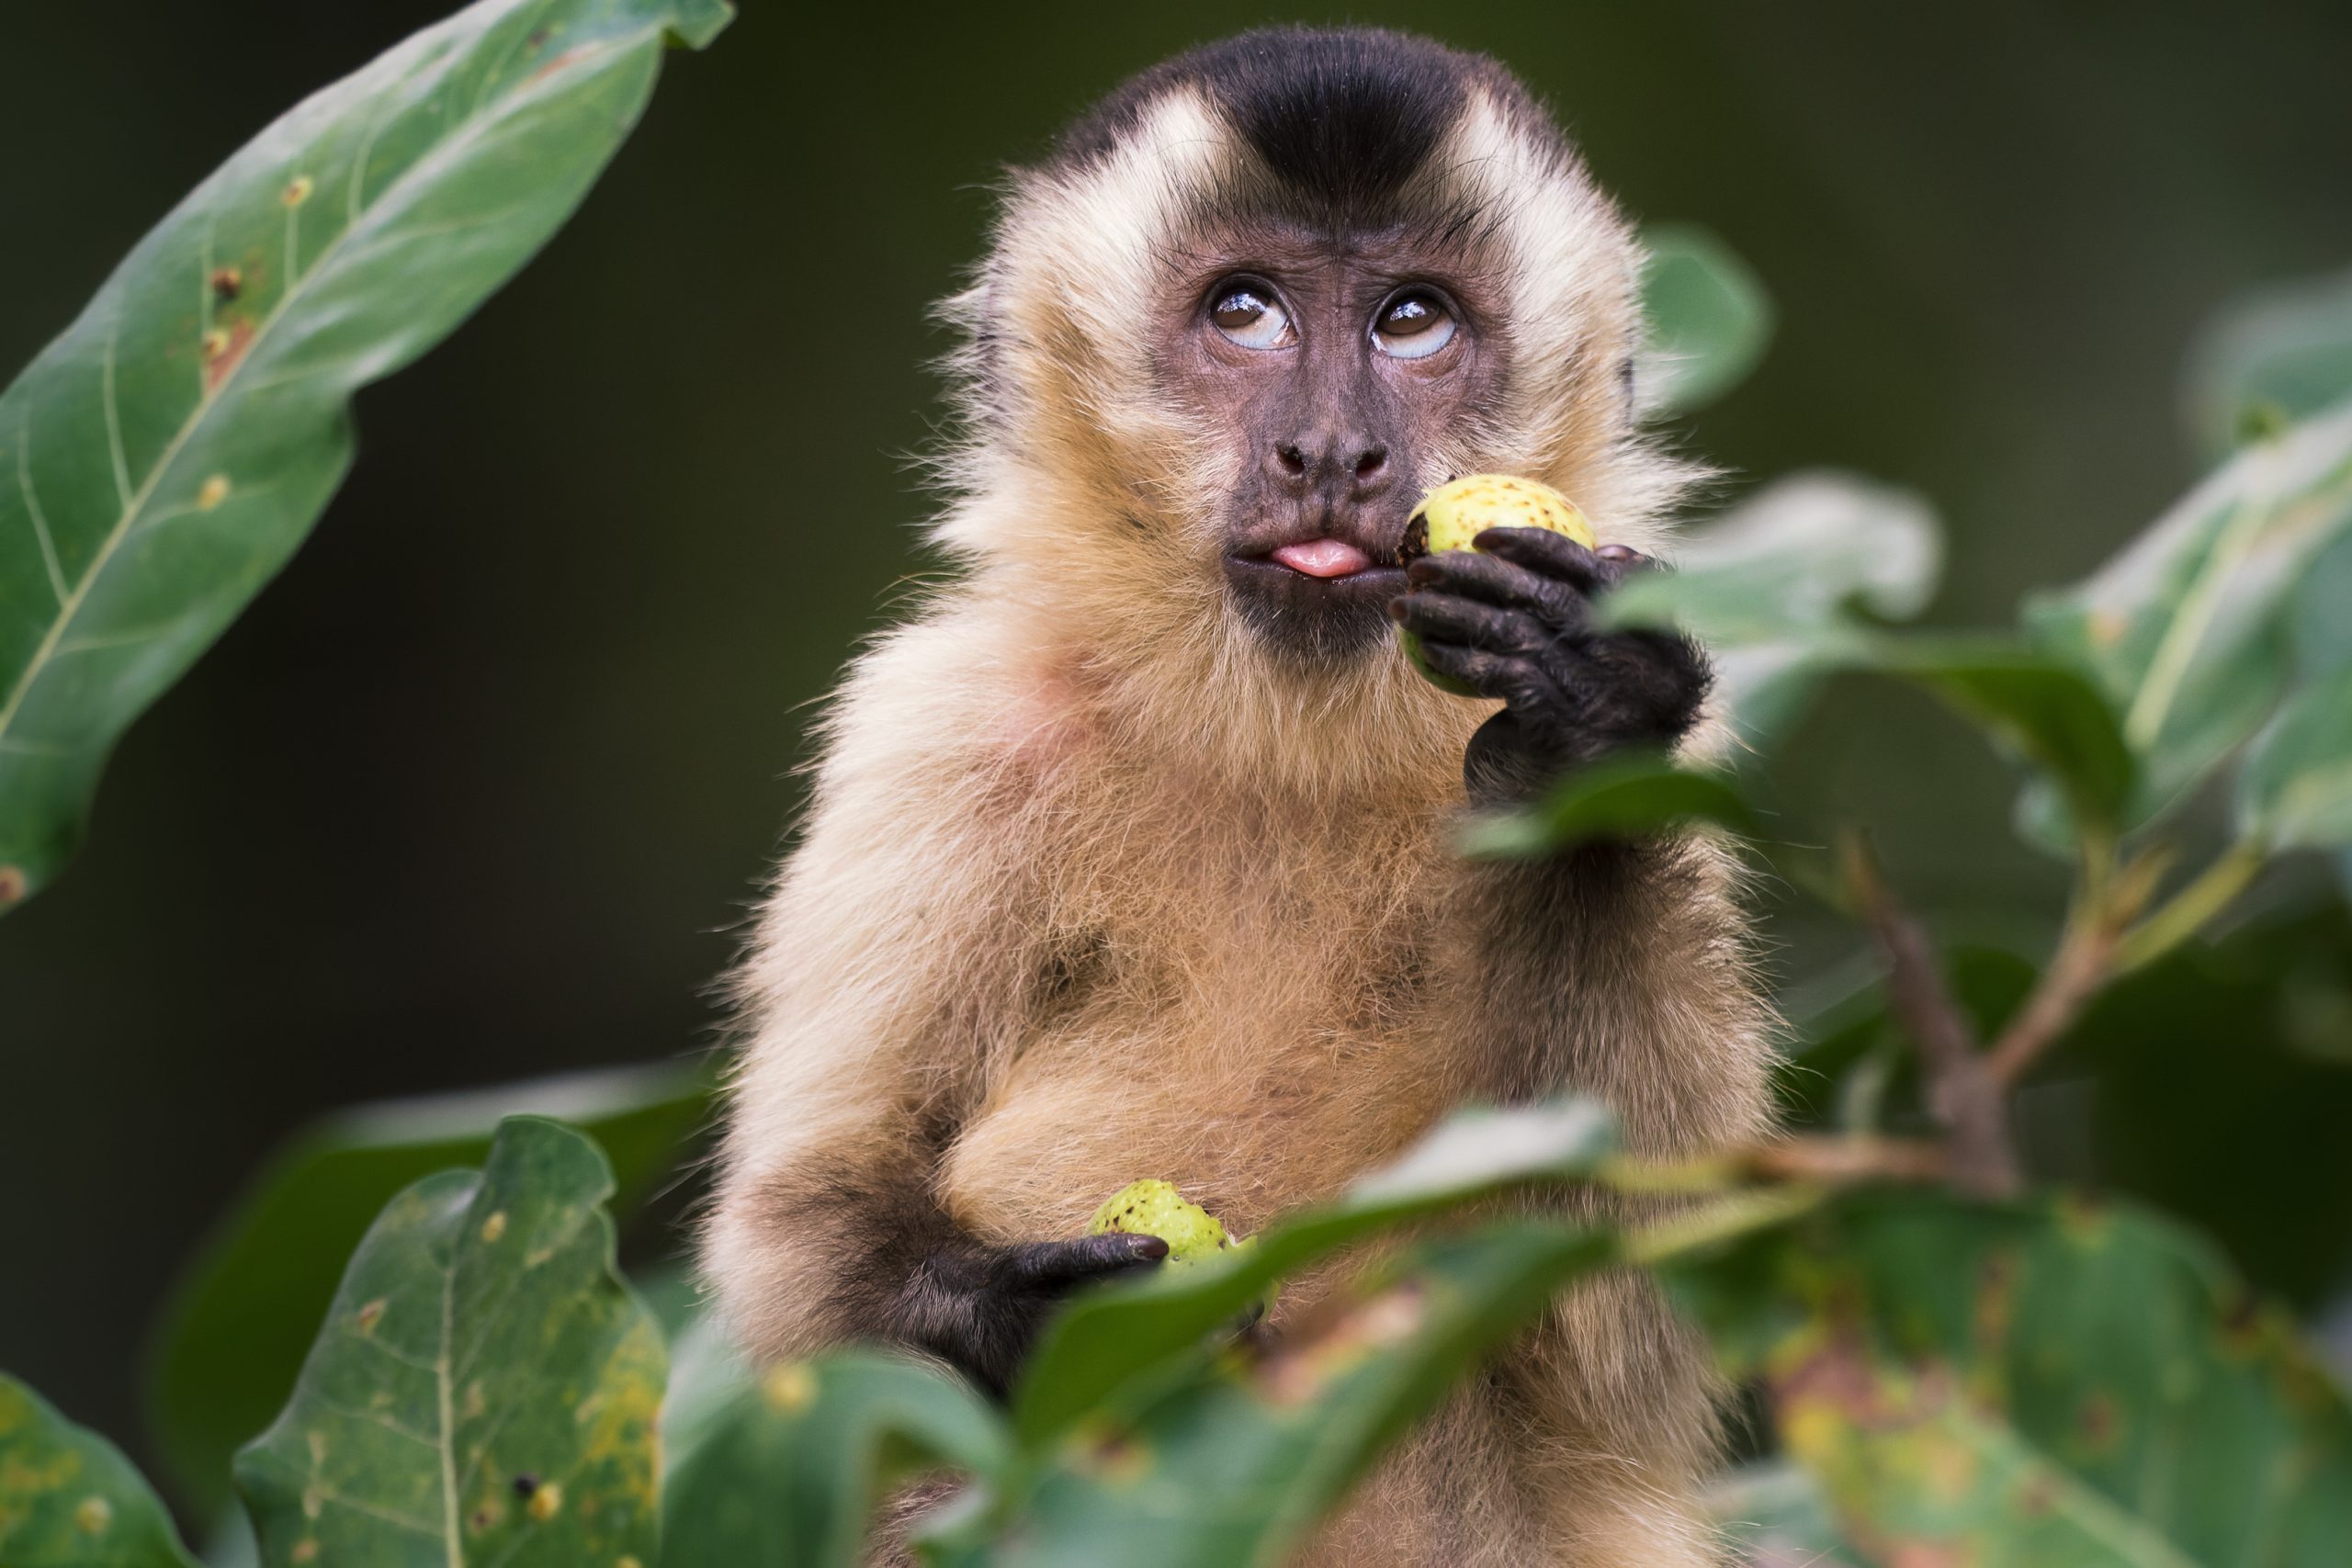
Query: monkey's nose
point(1358, 461)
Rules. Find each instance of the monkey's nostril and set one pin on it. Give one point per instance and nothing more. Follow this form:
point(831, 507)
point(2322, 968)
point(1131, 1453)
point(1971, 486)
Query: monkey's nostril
point(1371, 462)
point(1293, 460)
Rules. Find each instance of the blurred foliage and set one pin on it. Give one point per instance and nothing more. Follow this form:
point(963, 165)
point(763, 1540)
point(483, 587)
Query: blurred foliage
point(791, 1469)
point(68, 1496)
point(1710, 320)
point(2054, 1383)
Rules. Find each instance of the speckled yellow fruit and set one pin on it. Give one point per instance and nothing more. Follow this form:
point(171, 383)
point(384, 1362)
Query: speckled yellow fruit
point(1458, 511)
point(1156, 1208)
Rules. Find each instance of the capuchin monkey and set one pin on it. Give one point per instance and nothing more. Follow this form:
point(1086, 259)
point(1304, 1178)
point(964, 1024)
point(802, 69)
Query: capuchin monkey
point(1128, 855)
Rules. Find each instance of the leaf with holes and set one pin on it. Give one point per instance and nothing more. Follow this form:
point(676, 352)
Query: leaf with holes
point(1770, 588)
point(161, 460)
point(69, 1498)
point(230, 1338)
point(2188, 631)
point(2043, 1383)
point(484, 1388)
point(788, 1473)
point(1707, 320)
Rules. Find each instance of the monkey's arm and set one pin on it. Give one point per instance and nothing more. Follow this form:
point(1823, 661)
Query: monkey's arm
point(1619, 969)
point(894, 958)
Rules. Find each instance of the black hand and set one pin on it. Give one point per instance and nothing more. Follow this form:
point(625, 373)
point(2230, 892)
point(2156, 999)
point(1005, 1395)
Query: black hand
point(981, 1307)
point(1515, 622)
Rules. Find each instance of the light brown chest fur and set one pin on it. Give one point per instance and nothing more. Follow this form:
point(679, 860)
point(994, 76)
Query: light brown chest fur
point(1235, 1004)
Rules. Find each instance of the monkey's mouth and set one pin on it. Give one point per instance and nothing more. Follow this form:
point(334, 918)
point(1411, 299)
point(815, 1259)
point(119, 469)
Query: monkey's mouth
point(1321, 598)
point(1304, 564)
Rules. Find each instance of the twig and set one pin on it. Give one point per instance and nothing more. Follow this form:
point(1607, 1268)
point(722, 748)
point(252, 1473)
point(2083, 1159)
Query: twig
point(2085, 960)
point(1961, 1094)
point(1861, 1157)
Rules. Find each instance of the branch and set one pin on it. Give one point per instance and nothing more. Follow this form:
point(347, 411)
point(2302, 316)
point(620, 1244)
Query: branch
point(1961, 1094)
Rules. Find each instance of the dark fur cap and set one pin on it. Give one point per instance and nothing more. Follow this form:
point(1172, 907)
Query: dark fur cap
point(1343, 115)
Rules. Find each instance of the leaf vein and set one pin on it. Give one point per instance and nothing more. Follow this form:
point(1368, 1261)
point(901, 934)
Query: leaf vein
point(32, 507)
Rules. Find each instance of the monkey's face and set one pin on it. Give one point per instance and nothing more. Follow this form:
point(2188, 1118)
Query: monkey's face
point(1331, 374)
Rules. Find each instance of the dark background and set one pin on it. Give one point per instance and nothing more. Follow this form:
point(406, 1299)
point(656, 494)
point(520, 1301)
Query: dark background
point(481, 787)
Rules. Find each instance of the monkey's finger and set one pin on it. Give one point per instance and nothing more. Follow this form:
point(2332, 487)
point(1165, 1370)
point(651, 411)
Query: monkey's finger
point(1554, 555)
point(1444, 619)
point(1086, 1258)
point(1494, 581)
point(1506, 676)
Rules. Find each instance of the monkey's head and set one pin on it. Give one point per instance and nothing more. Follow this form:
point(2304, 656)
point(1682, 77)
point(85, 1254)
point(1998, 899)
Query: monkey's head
point(1255, 302)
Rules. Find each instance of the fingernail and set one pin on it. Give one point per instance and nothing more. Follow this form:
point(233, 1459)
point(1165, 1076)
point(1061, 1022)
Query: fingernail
point(1618, 552)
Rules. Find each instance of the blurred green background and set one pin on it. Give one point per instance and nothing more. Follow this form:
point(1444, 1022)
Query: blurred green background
point(483, 786)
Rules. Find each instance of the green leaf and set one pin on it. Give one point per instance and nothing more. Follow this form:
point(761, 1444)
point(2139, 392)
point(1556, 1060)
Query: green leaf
point(232, 1334)
point(2319, 629)
point(2282, 353)
point(1233, 1467)
point(2185, 631)
point(2047, 1382)
point(1623, 798)
point(2038, 707)
point(790, 1471)
point(1770, 588)
point(1707, 316)
point(161, 460)
point(2295, 789)
point(1113, 1338)
point(69, 1499)
point(484, 1388)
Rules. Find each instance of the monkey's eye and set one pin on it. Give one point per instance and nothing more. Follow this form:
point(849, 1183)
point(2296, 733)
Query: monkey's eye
point(1250, 315)
point(1413, 326)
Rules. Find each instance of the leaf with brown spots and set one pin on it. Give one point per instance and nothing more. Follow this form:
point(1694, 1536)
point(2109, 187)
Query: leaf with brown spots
point(230, 1343)
point(484, 1389)
point(2043, 1383)
point(69, 1499)
point(165, 455)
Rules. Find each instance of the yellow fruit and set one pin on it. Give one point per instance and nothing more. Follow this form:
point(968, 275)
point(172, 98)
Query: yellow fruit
point(1458, 511)
point(1156, 1208)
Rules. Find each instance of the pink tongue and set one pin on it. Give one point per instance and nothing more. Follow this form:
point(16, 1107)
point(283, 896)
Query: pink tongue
point(1323, 557)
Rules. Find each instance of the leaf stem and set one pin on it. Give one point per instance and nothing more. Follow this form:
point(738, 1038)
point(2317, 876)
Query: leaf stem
point(1692, 1229)
point(2188, 910)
